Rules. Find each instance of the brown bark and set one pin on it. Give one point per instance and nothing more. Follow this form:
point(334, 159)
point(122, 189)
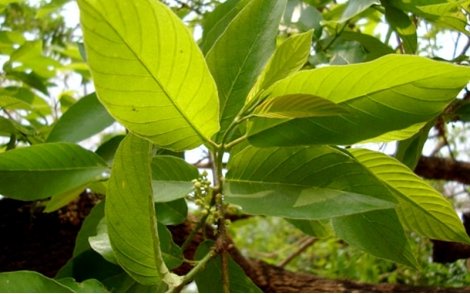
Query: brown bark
point(443, 169)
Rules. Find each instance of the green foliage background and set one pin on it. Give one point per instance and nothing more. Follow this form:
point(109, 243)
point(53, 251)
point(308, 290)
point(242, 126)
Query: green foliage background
point(291, 89)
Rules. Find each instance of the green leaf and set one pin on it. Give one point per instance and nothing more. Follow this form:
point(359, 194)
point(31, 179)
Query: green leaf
point(88, 228)
point(378, 233)
point(40, 171)
point(84, 119)
point(30, 282)
point(354, 8)
point(215, 22)
point(400, 91)
point(309, 183)
point(288, 58)
point(88, 286)
point(404, 27)
point(60, 200)
point(421, 208)
point(209, 280)
point(33, 282)
point(108, 148)
point(172, 213)
point(171, 253)
point(409, 150)
point(447, 13)
point(320, 229)
point(8, 102)
point(23, 98)
point(130, 214)
point(151, 78)
point(398, 135)
point(239, 54)
point(101, 243)
point(30, 57)
point(373, 46)
point(171, 178)
point(7, 127)
point(297, 106)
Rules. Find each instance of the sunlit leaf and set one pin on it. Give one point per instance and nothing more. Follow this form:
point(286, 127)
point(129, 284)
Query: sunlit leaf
point(288, 58)
point(443, 12)
point(421, 208)
point(297, 106)
point(388, 94)
point(149, 73)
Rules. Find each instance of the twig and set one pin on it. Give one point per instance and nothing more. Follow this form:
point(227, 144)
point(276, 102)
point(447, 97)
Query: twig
point(303, 246)
point(192, 273)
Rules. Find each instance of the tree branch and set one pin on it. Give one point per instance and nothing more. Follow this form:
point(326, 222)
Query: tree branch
point(438, 168)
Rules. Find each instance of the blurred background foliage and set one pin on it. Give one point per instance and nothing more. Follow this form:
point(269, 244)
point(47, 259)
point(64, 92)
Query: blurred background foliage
point(44, 74)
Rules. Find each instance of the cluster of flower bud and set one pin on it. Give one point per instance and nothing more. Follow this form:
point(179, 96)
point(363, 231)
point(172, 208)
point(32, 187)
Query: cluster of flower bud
point(201, 195)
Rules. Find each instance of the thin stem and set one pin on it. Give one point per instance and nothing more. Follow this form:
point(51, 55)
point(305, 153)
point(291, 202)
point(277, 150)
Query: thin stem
point(236, 141)
point(337, 34)
point(195, 270)
point(193, 233)
point(303, 246)
point(389, 35)
point(225, 277)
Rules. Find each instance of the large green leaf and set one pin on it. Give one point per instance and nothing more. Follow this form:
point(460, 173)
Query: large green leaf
point(239, 54)
point(302, 183)
point(377, 232)
point(444, 12)
point(130, 214)
point(40, 171)
point(84, 119)
point(149, 73)
point(390, 93)
point(215, 22)
point(33, 282)
point(171, 178)
point(288, 58)
point(421, 208)
point(209, 280)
